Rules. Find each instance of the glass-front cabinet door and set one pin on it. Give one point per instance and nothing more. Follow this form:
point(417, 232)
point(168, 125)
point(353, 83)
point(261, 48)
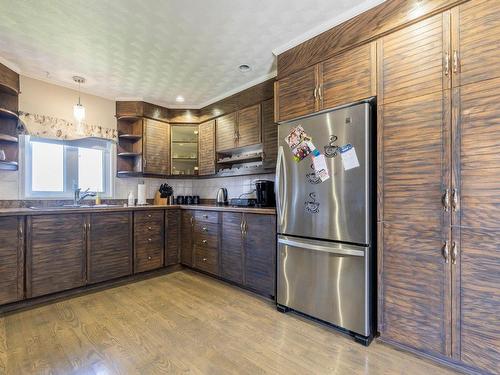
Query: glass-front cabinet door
point(184, 140)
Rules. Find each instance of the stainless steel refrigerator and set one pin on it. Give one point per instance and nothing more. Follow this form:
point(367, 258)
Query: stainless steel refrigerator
point(325, 228)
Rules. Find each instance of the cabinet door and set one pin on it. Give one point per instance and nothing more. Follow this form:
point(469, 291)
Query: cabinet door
point(476, 225)
point(56, 253)
point(249, 126)
point(260, 253)
point(149, 240)
point(296, 94)
point(110, 246)
point(412, 61)
point(207, 148)
point(476, 31)
point(269, 135)
point(206, 246)
point(414, 282)
point(156, 151)
point(226, 132)
point(349, 77)
point(172, 236)
point(187, 238)
point(11, 259)
point(232, 247)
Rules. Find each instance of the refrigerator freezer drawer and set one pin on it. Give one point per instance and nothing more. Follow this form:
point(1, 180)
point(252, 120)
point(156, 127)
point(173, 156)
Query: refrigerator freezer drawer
point(328, 281)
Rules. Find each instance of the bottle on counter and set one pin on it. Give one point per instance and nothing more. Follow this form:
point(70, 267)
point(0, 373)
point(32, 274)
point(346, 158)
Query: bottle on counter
point(131, 199)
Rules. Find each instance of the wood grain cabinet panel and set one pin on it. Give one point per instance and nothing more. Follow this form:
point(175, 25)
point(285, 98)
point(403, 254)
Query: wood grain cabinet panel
point(156, 159)
point(110, 246)
point(476, 221)
point(412, 61)
point(349, 77)
point(295, 95)
point(414, 283)
point(260, 253)
point(226, 132)
point(476, 42)
point(56, 253)
point(207, 148)
point(11, 259)
point(249, 126)
point(232, 247)
point(187, 225)
point(269, 135)
point(172, 236)
point(148, 240)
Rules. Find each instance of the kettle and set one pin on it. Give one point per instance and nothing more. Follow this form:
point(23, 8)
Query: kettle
point(221, 199)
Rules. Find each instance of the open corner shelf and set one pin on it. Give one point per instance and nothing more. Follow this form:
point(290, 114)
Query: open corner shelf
point(130, 137)
point(5, 89)
point(8, 138)
point(8, 165)
point(5, 113)
point(129, 154)
point(128, 118)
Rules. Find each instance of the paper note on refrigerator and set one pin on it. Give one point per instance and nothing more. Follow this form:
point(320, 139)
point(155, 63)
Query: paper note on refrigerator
point(320, 167)
point(349, 157)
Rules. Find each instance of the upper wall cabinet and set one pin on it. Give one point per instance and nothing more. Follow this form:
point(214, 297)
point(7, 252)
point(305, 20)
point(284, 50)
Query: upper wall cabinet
point(9, 90)
point(475, 55)
point(156, 153)
point(207, 148)
point(415, 60)
point(345, 78)
point(239, 129)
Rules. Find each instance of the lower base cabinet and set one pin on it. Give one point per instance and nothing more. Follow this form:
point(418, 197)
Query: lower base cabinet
point(148, 240)
point(55, 253)
point(110, 251)
point(206, 245)
point(187, 227)
point(232, 247)
point(172, 237)
point(11, 259)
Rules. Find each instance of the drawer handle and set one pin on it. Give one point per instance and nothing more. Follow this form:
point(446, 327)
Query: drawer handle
point(149, 228)
point(204, 241)
point(204, 229)
point(205, 216)
point(205, 259)
point(149, 258)
point(149, 216)
point(149, 240)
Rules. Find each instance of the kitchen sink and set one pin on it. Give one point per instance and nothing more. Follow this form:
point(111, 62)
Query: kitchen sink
point(72, 206)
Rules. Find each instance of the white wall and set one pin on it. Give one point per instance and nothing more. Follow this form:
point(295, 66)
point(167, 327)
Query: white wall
point(52, 100)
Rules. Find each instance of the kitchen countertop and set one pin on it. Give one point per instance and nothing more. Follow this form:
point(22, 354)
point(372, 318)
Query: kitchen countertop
point(59, 210)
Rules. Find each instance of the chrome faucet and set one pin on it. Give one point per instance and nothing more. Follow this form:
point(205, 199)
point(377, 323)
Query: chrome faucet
point(77, 198)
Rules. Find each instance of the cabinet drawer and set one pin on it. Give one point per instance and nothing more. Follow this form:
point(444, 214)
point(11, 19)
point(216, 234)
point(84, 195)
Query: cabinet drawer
point(154, 240)
point(148, 229)
point(207, 216)
point(148, 258)
point(148, 217)
point(206, 229)
point(206, 259)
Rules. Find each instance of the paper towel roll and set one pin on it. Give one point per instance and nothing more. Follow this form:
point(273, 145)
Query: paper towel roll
point(141, 194)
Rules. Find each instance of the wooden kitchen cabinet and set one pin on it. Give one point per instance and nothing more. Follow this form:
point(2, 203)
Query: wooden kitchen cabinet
point(226, 132)
point(156, 157)
point(269, 136)
point(172, 237)
point(259, 241)
point(148, 240)
point(249, 126)
point(232, 247)
point(296, 95)
point(207, 148)
point(11, 259)
point(109, 246)
point(55, 253)
point(206, 242)
point(187, 226)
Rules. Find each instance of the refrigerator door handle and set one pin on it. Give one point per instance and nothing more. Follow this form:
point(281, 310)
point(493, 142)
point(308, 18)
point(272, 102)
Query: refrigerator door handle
point(340, 249)
point(280, 185)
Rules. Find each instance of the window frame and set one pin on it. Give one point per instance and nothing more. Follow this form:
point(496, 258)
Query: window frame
point(70, 165)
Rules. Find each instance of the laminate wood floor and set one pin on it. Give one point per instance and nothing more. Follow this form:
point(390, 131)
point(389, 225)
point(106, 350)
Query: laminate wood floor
point(184, 323)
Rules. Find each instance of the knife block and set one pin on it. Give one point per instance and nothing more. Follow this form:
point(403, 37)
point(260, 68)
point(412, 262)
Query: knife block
point(160, 201)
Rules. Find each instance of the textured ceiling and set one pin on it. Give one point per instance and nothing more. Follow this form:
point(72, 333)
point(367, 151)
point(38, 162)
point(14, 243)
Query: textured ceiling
point(155, 50)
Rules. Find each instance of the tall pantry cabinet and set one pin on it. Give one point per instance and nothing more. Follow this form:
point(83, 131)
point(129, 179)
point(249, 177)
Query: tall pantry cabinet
point(439, 185)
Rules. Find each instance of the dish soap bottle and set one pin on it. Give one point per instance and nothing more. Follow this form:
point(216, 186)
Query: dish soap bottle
point(131, 199)
point(98, 199)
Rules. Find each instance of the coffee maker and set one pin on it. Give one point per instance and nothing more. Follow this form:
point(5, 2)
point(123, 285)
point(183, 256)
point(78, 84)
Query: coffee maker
point(264, 190)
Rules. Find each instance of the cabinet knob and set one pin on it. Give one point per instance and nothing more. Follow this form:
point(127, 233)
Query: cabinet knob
point(204, 229)
point(149, 258)
point(205, 216)
point(205, 259)
point(204, 241)
point(149, 239)
point(149, 216)
point(149, 228)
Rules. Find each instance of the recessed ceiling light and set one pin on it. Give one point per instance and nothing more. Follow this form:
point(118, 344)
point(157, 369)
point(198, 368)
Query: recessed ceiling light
point(244, 68)
point(179, 99)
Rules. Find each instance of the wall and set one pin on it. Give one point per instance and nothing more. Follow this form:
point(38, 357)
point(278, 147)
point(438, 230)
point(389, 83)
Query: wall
point(48, 99)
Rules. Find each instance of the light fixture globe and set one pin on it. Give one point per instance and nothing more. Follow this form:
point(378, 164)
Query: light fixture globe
point(79, 109)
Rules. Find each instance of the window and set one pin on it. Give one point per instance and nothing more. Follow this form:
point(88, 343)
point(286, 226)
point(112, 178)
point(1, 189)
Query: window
point(54, 168)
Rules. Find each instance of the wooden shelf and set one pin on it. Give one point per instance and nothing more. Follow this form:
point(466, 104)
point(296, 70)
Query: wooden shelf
point(5, 89)
point(129, 154)
point(5, 113)
point(128, 118)
point(129, 174)
point(131, 137)
point(8, 138)
point(193, 159)
point(188, 143)
point(8, 165)
point(240, 159)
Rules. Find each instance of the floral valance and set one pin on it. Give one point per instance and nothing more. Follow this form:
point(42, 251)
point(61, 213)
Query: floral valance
point(56, 128)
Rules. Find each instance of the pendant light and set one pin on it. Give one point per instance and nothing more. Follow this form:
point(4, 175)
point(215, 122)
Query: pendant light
point(79, 109)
